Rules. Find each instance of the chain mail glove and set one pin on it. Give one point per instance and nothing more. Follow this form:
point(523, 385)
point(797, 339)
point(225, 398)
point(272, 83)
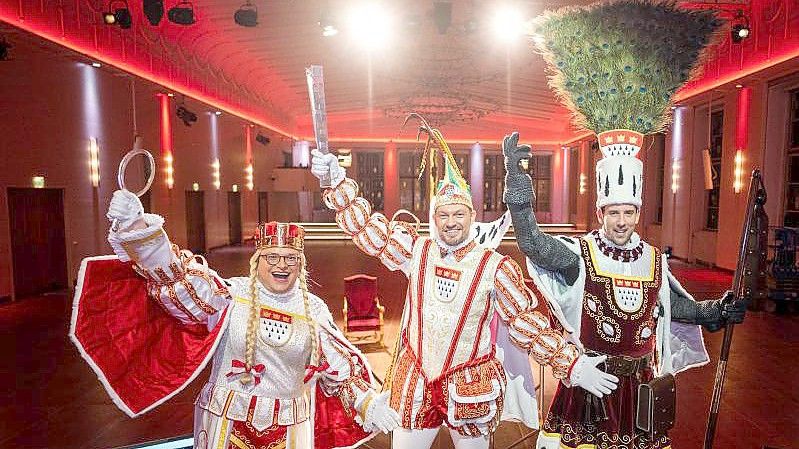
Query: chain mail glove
point(712, 314)
point(518, 184)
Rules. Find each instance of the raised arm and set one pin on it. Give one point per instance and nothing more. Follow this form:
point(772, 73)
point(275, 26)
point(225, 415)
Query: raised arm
point(529, 329)
point(391, 242)
point(542, 249)
point(185, 288)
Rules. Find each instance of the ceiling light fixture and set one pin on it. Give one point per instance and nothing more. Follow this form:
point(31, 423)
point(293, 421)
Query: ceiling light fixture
point(118, 13)
point(186, 115)
point(154, 11)
point(740, 30)
point(262, 139)
point(508, 24)
point(326, 24)
point(182, 13)
point(96, 65)
point(370, 25)
point(246, 15)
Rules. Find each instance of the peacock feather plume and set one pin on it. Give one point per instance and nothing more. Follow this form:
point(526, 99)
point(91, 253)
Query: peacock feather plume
point(617, 64)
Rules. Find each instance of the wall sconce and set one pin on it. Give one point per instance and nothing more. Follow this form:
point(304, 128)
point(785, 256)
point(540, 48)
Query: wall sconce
point(583, 184)
point(737, 184)
point(37, 182)
point(235, 188)
point(195, 186)
point(675, 176)
point(170, 180)
point(215, 174)
point(94, 162)
point(249, 177)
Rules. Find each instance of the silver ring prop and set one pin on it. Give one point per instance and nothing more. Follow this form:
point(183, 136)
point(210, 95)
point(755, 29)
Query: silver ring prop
point(123, 165)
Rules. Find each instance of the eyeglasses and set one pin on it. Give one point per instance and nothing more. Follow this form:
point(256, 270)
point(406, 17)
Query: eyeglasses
point(274, 259)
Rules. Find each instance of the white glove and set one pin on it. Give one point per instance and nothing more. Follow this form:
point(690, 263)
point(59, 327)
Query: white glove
point(327, 164)
point(380, 416)
point(126, 209)
point(586, 375)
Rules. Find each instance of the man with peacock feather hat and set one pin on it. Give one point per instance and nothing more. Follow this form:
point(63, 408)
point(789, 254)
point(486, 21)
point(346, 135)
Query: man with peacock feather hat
point(616, 65)
point(453, 367)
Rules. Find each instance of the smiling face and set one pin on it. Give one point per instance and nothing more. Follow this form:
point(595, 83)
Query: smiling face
point(278, 268)
point(618, 221)
point(453, 222)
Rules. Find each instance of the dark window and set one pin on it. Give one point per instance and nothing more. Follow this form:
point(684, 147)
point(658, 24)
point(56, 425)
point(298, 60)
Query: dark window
point(493, 182)
point(541, 172)
point(791, 217)
point(716, 145)
point(413, 191)
point(370, 178)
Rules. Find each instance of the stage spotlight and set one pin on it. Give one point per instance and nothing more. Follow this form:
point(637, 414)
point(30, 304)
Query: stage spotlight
point(247, 15)
point(508, 24)
point(118, 14)
point(154, 11)
point(262, 139)
point(740, 30)
point(182, 14)
point(185, 115)
point(442, 16)
point(96, 65)
point(4, 47)
point(739, 33)
point(370, 25)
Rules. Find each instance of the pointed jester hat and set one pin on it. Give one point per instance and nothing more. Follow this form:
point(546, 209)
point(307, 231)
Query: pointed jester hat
point(453, 188)
point(616, 65)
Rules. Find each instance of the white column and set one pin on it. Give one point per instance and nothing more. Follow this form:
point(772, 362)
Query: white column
point(301, 157)
point(477, 178)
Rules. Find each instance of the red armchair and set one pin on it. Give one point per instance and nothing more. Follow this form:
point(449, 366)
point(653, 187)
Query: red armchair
point(363, 314)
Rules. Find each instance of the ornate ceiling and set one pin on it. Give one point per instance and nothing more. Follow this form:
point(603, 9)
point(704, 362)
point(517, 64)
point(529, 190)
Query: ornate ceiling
point(464, 80)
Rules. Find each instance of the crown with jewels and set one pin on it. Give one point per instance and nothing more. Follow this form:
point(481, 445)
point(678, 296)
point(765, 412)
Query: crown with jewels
point(280, 235)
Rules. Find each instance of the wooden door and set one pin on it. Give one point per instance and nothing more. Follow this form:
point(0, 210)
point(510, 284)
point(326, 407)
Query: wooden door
point(195, 221)
point(234, 217)
point(38, 240)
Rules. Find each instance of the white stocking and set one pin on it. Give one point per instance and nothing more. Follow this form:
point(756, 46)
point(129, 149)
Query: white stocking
point(462, 442)
point(413, 438)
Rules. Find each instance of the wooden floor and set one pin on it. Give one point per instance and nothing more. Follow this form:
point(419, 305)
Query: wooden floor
point(52, 399)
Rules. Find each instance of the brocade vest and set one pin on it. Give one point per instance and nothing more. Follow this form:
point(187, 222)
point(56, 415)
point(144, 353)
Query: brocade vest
point(450, 307)
point(620, 311)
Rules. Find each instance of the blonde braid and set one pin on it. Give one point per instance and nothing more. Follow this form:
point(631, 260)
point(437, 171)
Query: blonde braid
point(252, 323)
point(306, 304)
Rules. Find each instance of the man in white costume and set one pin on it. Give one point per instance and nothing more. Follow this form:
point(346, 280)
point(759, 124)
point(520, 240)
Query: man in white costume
point(446, 370)
point(282, 374)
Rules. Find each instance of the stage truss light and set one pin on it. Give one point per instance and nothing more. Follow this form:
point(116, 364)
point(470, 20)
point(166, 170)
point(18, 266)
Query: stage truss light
point(118, 14)
point(182, 14)
point(740, 29)
point(246, 15)
point(186, 115)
